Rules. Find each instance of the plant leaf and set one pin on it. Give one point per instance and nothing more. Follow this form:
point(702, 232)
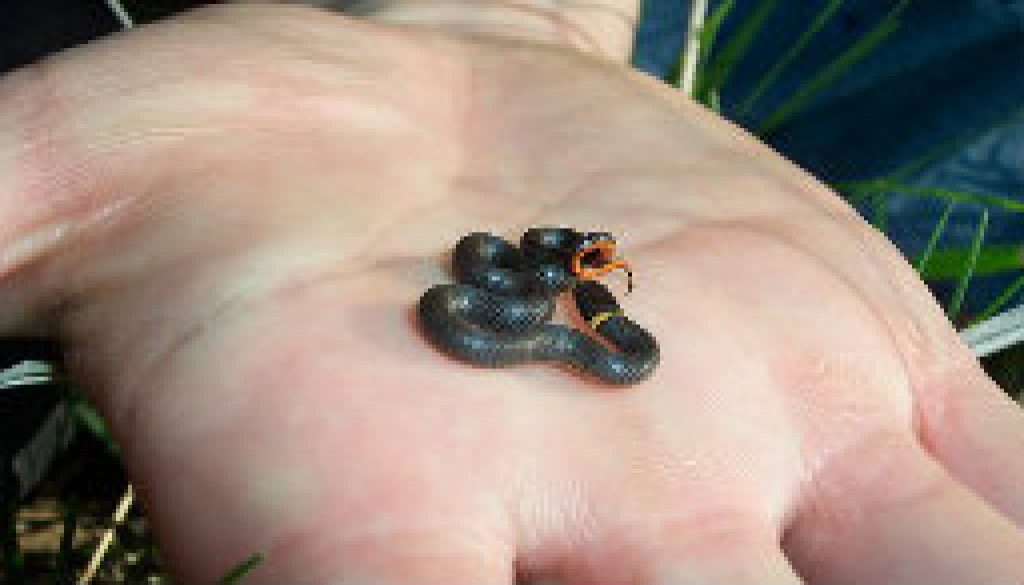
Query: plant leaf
point(720, 68)
point(933, 239)
point(880, 218)
point(239, 571)
point(819, 22)
point(992, 259)
point(87, 416)
point(864, 46)
point(961, 287)
point(861, 188)
point(1001, 301)
point(712, 25)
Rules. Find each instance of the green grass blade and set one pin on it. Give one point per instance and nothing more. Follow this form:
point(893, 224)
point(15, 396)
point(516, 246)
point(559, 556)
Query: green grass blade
point(714, 101)
point(707, 37)
point(1001, 301)
point(712, 25)
point(721, 66)
point(992, 259)
point(819, 22)
point(864, 46)
point(87, 416)
point(240, 570)
point(886, 186)
point(961, 287)
point(880, 217)
point(933, 239)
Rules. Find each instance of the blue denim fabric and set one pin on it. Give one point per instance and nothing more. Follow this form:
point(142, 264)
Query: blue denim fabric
point(952, 75)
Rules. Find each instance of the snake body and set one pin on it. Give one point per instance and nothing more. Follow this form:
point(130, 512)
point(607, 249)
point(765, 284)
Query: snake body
point(498, 312)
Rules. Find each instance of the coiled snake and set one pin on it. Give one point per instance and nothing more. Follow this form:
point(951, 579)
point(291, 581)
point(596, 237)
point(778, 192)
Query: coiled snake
point(498, 312)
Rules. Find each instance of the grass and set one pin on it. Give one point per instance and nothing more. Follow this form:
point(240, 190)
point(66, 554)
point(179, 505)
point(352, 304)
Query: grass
point(864, 46)
point(953, 308)
point(824, 17)
point(50, 538)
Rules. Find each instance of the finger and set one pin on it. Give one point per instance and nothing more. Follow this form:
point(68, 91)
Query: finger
point(424, 559)
point(892, 514)
point(758, 561)
point(977, 432)
point(600, 27)
point(716, 549)
point(963, 418)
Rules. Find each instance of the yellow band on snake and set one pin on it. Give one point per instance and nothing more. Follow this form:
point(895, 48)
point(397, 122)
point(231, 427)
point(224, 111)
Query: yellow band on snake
point(602, 317)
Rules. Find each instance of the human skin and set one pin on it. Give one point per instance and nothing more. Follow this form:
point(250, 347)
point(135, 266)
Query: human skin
point(229, 217)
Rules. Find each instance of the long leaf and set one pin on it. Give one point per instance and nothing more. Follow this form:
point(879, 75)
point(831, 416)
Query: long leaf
point(705, 40)
point(1002, 300)
point(238, 572)
point(880, 218)
point(819, 22)
point(87, 416)
point(961, 287)
point(992, 259)
point(712, 25)
point(864, 46)
point(885, 186)
point(721, 66)
point(933, 239)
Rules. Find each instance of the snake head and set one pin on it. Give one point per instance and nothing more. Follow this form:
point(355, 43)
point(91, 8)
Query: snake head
point(595, 255)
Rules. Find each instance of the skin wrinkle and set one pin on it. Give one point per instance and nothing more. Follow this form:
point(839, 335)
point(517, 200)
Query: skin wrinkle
point(237, 305)
point(685, 210)
point(549, 24)
point(584, 187)
point(565, 30)
point(941, 413)
point(823, 458)
point(120, 145)
point(721, 528)
point(552, 517)
point(909, 356)
point(932, 413)
point(912, 351)
point(211, 317)
point(834, 498)
point(571, 29)
point(881, 313)
point(38, 113)
point(39, 147)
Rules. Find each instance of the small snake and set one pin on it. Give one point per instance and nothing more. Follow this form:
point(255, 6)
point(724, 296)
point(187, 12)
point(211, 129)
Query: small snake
point(499, 311)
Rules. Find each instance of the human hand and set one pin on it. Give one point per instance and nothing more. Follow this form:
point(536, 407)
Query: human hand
point(229, 218)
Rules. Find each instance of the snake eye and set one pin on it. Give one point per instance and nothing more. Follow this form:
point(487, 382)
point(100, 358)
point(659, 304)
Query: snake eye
point(595, 256)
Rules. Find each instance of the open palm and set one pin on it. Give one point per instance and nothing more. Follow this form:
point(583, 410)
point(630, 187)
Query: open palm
point(230, 217)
